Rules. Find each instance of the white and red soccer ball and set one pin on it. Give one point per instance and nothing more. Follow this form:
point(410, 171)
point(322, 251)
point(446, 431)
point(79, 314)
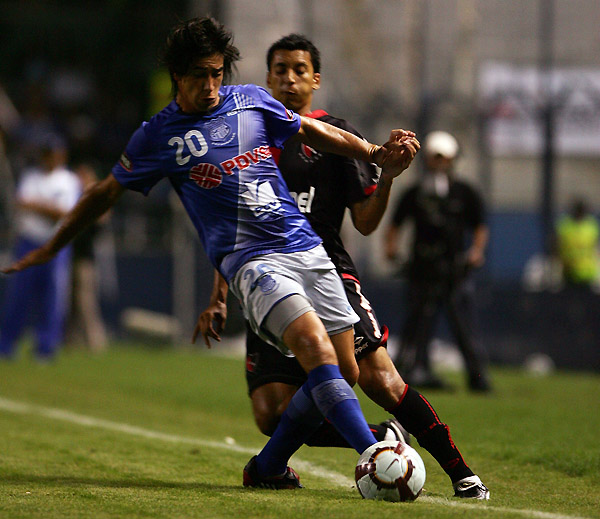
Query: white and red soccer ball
point(390, 471)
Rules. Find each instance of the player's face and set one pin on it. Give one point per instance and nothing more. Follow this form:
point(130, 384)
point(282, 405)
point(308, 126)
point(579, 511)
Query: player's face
point(292, 79)
point(198, 90)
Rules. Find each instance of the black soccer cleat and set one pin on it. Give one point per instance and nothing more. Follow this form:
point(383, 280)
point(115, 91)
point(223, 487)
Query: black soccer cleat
point(289, 480)
point(395, 431)
point(471, 488)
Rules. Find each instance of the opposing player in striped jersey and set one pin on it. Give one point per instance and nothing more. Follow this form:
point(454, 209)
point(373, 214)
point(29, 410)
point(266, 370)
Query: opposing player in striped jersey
point(213, 144)
point(324, 185)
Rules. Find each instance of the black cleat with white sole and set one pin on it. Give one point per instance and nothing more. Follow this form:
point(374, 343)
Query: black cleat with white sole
point(395, 431)
point(471, 488)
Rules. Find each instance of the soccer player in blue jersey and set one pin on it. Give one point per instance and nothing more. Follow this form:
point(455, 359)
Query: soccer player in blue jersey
point(324, 185)
point(213, 144)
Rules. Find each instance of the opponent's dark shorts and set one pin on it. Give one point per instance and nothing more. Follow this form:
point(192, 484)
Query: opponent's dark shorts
point(266, 364)
point(368, 334)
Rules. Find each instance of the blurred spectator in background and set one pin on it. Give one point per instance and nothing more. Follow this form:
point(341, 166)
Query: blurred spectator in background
point(45, 194)
point(577, 235)
point(36, 123)
point(9, 120)
point(442, 209)
point(86, 324)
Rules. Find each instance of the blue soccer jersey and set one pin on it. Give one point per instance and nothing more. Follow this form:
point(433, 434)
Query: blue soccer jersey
point(221, 166)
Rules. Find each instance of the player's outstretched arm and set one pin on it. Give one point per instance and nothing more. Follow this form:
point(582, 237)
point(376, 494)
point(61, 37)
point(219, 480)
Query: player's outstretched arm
point(211, 321)
point(331, 139)
point(92, 204)
point(393, 155)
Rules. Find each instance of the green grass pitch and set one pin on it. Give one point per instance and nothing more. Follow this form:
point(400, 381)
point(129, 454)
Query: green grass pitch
point(155, 433)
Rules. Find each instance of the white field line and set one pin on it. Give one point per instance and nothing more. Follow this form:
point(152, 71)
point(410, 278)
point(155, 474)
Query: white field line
point(99, 423)
point(537, 514)
point(305, 466)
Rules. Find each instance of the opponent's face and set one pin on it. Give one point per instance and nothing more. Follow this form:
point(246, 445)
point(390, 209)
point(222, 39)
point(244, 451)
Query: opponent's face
point(198, 90)
point(292, 79)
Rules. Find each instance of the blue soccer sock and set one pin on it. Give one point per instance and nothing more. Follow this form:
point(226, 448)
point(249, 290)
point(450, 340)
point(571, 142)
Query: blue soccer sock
point(299, 421)
point(325, 393)
point(338, 403)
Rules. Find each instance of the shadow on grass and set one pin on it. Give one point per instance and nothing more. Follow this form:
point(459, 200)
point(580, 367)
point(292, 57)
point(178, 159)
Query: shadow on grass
point(74, 481)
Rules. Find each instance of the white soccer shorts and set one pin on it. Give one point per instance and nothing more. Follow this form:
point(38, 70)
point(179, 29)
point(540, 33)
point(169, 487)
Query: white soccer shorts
point(266, 280)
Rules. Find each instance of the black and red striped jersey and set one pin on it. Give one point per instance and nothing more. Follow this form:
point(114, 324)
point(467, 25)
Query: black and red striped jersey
point(324, 185)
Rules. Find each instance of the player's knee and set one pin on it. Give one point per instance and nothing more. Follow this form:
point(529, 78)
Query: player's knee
point(268, 404)
point(315, 348)
point(266, 421)
point(314, 339)
point(266, 415)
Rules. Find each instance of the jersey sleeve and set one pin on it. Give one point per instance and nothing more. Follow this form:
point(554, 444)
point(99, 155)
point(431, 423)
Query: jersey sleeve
point(139, 165)
point(281, 123)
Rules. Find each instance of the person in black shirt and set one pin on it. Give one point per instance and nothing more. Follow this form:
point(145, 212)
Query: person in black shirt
point(444, 210)
point(324, 185)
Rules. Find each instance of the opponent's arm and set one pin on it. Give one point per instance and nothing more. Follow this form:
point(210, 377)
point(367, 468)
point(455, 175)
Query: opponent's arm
point(367, 213)
point(92, 204)
point(211, 321)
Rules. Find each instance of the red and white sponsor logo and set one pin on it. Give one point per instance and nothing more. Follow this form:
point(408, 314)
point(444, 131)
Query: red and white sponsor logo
point(207, 176)
point(246, 159)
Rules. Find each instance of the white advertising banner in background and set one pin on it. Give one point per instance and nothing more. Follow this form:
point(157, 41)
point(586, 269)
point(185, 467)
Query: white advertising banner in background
point(513, 98)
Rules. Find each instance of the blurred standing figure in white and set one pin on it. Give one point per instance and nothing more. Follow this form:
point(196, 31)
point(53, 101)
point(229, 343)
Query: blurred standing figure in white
point(45, 194)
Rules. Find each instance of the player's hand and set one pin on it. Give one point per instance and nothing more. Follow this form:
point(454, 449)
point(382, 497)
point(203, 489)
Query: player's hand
point(379, 154)
point(35, 257)
point(402, 148)
point(211, 323)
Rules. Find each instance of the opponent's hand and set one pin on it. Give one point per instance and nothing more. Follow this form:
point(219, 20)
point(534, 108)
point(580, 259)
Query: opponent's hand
point(35, 257)
point(379, 154)
point(401, 148)
point(211, 323)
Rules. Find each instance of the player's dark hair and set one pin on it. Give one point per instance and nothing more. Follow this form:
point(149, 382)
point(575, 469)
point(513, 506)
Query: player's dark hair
point(296, 42)
point(196, 39)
